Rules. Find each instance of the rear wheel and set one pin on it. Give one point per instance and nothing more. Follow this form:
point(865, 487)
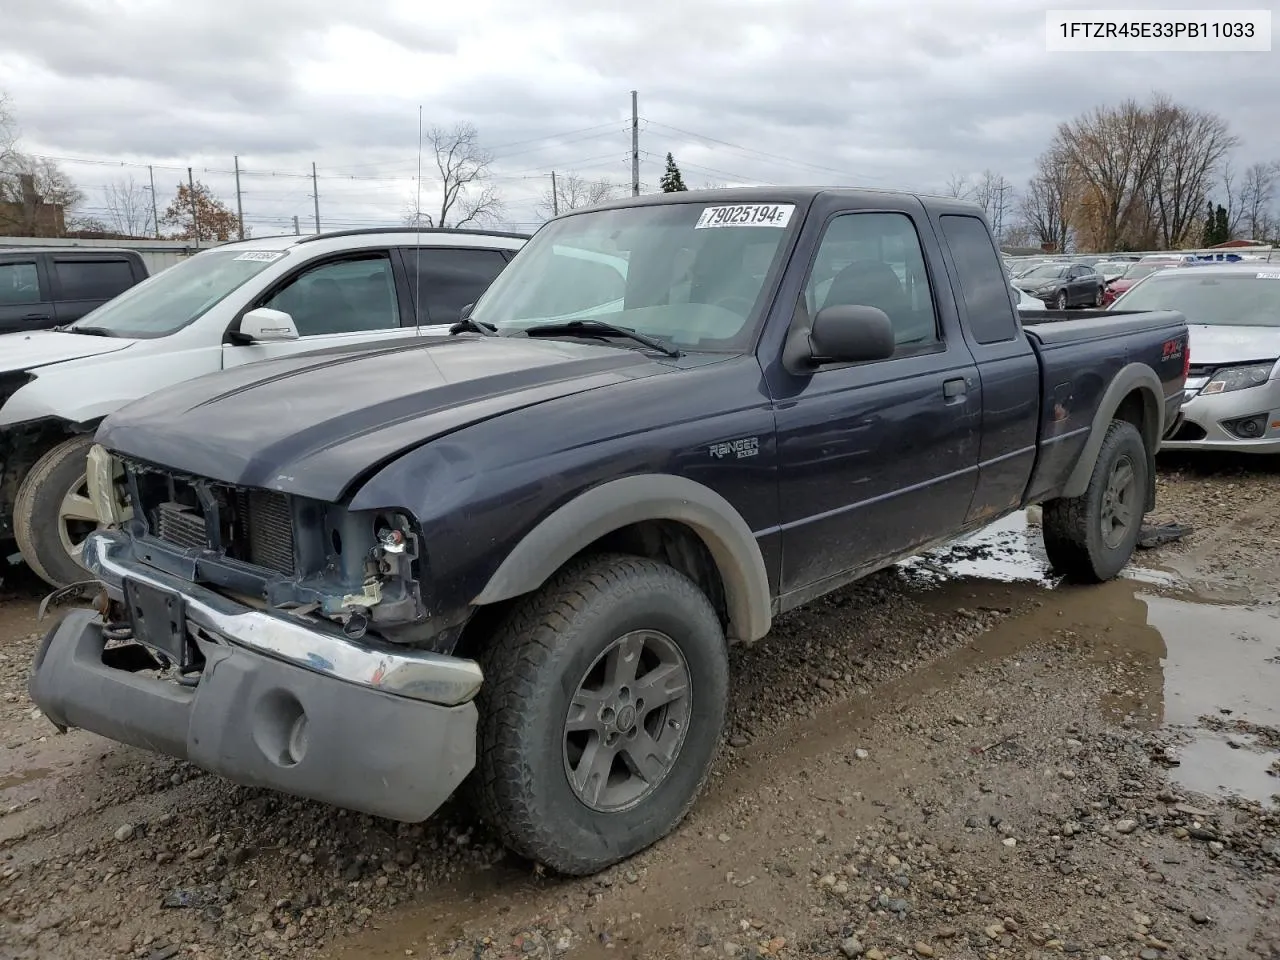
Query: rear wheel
point(1060, 301)
point(1091, 537)
point(52, 513)
point(601, 712)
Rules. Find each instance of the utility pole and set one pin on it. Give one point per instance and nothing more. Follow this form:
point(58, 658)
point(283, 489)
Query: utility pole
point(239, 207)
point(296, 230)
point(195, 213)
point(315, 194)
point(155, 217)
point(555, 199)
point(635, 147)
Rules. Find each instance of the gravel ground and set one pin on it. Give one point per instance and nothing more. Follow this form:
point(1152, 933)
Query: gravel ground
point(954, 758)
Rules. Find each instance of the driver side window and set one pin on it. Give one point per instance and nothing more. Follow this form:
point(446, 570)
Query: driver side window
point(343, 297)
point(875, 260)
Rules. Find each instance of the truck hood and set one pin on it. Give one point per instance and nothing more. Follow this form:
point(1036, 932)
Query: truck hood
point(1218, 345)
point(26, 351)
point(314, 424)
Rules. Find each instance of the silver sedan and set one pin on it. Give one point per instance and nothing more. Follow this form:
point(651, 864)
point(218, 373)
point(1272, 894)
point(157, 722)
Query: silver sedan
point(1232, 399)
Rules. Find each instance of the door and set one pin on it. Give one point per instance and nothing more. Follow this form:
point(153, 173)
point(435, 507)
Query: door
point(82, 283)
point(346, 300)
point(443, 280)
point(1007, 367)
point(876, 458)
point(22, 304)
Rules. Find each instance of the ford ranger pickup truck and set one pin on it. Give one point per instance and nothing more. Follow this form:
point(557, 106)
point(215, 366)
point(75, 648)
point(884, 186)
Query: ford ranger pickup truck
point(510, 559)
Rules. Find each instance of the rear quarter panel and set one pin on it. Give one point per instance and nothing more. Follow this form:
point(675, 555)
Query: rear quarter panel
point(1079, 360)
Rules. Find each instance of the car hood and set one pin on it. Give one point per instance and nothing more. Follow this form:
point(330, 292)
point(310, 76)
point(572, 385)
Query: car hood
point(315, 423)
point(1022, 283)
point(1217, 345)
point(26, 351)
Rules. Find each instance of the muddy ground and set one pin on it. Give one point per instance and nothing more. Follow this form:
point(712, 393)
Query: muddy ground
point(955, 758)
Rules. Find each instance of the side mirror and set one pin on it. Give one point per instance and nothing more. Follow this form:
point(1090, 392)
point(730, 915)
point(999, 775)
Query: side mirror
point(263, 325)
point(466, 311)
point(851, 334)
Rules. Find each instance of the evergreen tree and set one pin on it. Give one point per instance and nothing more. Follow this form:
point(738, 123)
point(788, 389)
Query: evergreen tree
point(1223, 230)
point(1210, 229)
point(671, 181)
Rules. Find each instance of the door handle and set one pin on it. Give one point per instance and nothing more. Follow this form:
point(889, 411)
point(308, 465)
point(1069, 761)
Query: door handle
point(954, 389)
point(37, 316)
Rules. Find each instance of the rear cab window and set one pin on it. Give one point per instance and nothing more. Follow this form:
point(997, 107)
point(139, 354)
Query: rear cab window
point(19, 282)
point(983, 285)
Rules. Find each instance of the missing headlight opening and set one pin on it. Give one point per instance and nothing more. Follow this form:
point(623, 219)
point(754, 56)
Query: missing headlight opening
point(297, 556)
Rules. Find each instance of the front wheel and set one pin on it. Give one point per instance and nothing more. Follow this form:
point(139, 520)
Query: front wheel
point(52, 513)
point(1060, 301)
point(601, 713)
point(1097, 299)
point(1091, 537)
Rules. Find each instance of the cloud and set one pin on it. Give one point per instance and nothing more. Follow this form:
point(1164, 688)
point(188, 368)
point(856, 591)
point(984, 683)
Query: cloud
point(768, 91)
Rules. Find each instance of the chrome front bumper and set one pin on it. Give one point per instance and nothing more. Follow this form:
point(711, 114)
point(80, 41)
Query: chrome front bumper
point(313, 645)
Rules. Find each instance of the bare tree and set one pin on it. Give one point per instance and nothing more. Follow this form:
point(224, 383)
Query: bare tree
point(995, 195)
point(958, 185)
point(43, 196)
point(1256, 196)
point(8, 129)
point(1193, 145)
point(574, 192)
point(1048, 203)
point(128, 206)
point(466, 196)
point(1114, 151)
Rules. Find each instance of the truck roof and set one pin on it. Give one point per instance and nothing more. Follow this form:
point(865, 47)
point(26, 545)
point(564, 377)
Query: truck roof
point(377, 236)
point(799, 195)
point(78, 251)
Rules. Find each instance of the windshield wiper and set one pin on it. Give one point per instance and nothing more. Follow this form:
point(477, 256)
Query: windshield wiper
point(471, 325)
point(89, 331)
point(601, 329)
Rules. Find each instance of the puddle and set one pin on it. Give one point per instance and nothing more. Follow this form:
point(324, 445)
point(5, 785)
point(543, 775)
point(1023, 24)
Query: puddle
point(20, 777)
point(1008, 551)
point(1221, 692)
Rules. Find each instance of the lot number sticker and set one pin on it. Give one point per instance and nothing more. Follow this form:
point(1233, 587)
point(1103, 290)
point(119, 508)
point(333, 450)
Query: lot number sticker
point(1269, 275)
point(746, 215)
point(266, 256)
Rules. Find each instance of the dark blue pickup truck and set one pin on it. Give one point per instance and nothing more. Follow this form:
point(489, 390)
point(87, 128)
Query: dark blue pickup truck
point(514, 556)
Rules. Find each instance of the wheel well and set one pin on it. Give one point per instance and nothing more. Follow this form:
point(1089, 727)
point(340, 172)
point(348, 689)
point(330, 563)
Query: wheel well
point(667, 541)
point(27, 443)
point(1139, 408)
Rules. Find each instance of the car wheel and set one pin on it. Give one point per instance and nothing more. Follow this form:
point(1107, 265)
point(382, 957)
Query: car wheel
point(601, 713)
point(1060, 301)
point(1097, 299)
point(1090, 538)
point(52, 513)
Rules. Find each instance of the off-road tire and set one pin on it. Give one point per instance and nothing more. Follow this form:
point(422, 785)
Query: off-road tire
point(532, 666)
point(1060, 300)
point(37, 511)
point(1072, 528)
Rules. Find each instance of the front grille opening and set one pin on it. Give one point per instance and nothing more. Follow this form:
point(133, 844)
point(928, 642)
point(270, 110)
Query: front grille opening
point(249, 525)
point(1188, 432)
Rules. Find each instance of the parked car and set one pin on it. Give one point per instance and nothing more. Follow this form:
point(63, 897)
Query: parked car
point(1063, 285)
point(523, 548)
point(1135, 272)
point(1233, 387)
point(1111, 269)
point(44, 287)
point(230, 305)
point(1024, 300)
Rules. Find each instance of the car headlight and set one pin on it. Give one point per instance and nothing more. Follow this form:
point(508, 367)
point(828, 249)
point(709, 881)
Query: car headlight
point(1237, 378)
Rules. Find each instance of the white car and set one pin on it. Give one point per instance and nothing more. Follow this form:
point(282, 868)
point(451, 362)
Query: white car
point(227, 306)
point(1026, 301)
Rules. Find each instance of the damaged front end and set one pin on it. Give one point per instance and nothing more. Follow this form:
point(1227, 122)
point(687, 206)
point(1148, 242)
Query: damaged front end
point(266, 549)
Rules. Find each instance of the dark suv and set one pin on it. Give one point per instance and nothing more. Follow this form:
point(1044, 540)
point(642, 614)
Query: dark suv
point(42, 287)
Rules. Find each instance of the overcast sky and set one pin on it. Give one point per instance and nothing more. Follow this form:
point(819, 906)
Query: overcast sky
point(870, 92)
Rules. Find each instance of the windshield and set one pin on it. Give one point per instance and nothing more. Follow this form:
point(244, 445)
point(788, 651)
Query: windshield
point(1045, 270)
point(1235, 300)
point(173, 298)
point(688, 273)
point(1112, 270)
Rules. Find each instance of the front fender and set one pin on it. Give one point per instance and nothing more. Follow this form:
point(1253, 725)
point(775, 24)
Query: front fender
point(618, 503)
